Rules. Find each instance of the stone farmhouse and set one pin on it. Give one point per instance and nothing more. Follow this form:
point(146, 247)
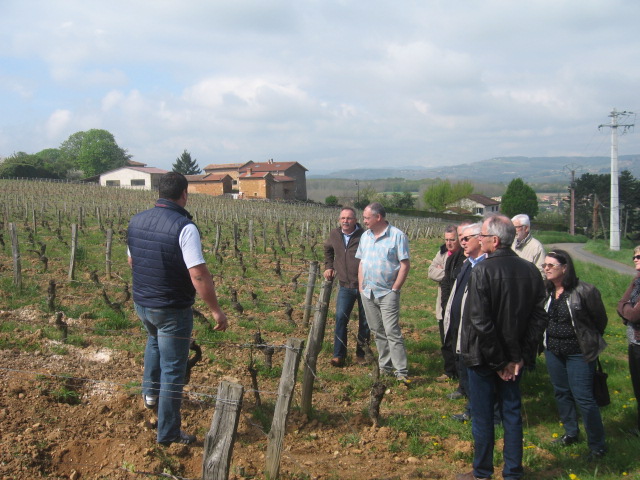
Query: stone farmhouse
point(267, 180)
point(474, 204)
point(271, 180)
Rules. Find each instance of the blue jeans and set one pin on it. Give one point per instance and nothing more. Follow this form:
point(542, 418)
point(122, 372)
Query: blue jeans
point(572, 380)
point(165, 363)
point(485, 387)
point(344, 305)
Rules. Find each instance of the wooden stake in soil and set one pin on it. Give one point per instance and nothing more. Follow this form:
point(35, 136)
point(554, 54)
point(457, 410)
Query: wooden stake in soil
point(15, 249)
point(74, 246)
point(219, 440)
point(108, 253)
point(311, 284)
point(285, 394)
point(314, 345)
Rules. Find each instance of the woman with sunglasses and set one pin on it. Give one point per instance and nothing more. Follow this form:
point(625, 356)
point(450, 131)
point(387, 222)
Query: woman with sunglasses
point(629, 310)
point(573, 340)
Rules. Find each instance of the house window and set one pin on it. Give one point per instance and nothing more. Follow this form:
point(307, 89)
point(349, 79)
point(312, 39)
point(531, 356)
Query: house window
point(138, 183)
point(478, 211)
point(113, 183)
point(235, 182)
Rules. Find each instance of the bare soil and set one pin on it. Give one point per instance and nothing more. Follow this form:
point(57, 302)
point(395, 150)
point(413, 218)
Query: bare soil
point(101, 429)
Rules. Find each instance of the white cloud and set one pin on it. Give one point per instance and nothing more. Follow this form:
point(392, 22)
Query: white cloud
point(332, 83)
point(57, 123)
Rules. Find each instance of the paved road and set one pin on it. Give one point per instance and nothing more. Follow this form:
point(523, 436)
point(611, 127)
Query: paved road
point(577, 252)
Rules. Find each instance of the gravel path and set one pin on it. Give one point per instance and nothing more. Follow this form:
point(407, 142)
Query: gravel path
point(577, 252)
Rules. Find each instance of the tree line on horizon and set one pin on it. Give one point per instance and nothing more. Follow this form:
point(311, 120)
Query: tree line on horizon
point(84, 154)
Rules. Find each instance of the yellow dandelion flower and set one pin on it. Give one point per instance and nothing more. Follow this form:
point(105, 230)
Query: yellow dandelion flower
point(573, 476)
point(555, 435)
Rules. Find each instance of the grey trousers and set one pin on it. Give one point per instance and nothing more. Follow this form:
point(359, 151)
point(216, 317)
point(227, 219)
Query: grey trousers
point(383, 317)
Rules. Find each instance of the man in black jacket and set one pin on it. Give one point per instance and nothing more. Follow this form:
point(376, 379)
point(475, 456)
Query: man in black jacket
point(339, 260)
point(502, 328)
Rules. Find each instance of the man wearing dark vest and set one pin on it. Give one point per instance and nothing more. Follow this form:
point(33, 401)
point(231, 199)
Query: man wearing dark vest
point(165, 254)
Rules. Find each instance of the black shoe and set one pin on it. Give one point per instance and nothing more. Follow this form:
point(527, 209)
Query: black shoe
point(596, 454)
point(566, 440)
point(461, 417)
point(183, 438)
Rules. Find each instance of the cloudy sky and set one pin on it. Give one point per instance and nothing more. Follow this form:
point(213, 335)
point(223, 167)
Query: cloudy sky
point(332, 84)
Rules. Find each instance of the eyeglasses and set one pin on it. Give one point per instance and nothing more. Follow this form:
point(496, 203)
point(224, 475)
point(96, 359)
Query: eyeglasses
point(550, 265)
point(519, 226)
point(636, 257)
point(469, 237)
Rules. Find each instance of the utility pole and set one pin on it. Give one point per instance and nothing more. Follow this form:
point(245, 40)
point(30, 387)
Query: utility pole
point(614, 224)
point(572, 206)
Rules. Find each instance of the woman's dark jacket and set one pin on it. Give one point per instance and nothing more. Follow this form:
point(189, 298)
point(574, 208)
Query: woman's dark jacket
point(589, 319)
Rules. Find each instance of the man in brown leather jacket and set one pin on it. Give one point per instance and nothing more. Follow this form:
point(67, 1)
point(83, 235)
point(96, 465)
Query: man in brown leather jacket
point(339, 260)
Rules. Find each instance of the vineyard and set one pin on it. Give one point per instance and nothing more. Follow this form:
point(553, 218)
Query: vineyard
point(71, 351)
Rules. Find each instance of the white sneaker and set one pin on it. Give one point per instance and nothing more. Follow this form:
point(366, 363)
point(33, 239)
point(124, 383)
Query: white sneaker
point(150, 401)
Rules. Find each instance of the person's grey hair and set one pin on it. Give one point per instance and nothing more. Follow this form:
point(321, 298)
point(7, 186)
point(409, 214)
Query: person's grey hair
point(377, 209)
point(523, 218)
point(474, 227)
point(353, 210)
point(500, 226)
point(451, 229)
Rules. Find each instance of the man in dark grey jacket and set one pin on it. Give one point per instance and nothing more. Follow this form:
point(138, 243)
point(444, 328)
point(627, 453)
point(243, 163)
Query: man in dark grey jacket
point(502, 328)
point(339, 260)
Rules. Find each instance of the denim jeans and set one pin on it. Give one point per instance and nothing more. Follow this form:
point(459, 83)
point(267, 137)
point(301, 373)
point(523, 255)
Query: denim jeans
point(634, 371)
point(485, 386)
point(572, 380)
point(165, 363)
point(344, 305)
point(383, 316)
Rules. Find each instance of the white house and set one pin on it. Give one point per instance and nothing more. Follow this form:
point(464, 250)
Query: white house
point(475, 204)
point(141, 178)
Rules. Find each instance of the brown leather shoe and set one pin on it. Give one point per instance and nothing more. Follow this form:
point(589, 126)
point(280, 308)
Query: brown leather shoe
point(337, 362)
point(469, 476)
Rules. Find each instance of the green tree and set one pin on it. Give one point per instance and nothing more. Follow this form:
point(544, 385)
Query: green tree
point(185, 165)
point(590, 186)
point(331, 200)
point(443, 193)
point(519, 198)
point(94, 152)
point(366, 196)
point(22, 164)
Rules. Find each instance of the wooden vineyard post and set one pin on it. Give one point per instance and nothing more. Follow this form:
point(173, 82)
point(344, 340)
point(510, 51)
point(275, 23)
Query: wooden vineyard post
point(15, 249)
point(314, 345)
point(107, 268)
point(218, 442)
point(74, 245)
point(285, 394)
point(251, 236)
point(311, 284)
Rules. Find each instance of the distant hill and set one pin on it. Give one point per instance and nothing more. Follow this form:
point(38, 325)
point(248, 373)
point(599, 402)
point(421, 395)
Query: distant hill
point(500, 169)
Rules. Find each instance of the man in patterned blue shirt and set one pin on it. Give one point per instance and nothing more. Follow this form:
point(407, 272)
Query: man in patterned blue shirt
point(384, 266)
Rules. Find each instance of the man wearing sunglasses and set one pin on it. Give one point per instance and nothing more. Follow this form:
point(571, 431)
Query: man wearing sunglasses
point(502, 326)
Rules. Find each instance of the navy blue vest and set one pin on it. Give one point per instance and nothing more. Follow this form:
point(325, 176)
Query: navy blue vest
point(160, 277)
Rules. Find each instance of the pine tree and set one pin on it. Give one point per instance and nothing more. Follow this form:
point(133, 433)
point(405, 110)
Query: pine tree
point(519, 198)
point(185, 165)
